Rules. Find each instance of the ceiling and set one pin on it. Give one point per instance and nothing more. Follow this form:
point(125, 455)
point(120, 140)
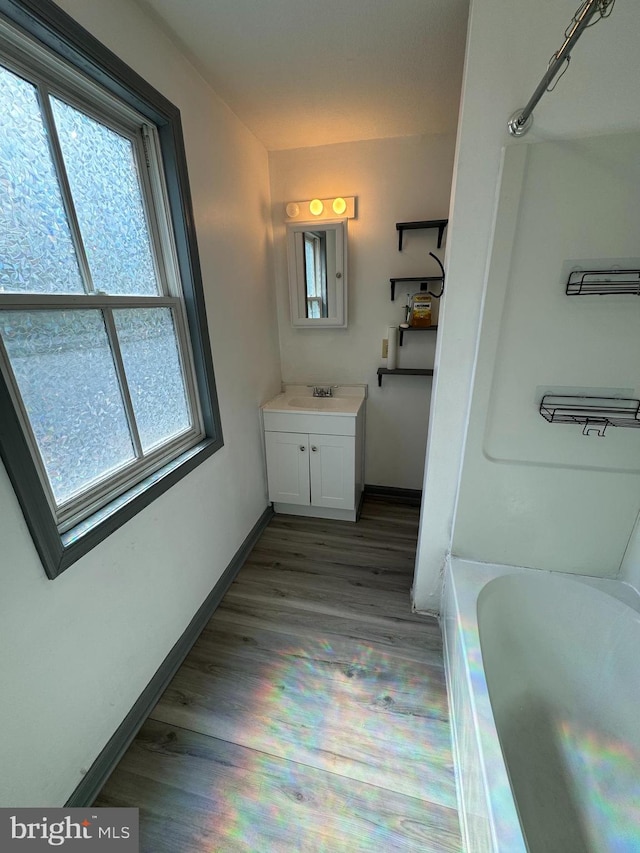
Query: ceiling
point(301, 73)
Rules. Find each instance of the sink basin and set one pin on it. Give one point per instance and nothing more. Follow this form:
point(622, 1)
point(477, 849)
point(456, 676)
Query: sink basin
point(321, 404)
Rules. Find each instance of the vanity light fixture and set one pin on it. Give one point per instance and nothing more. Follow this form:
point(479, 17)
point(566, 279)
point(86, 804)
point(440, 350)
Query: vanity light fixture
point(321, 208)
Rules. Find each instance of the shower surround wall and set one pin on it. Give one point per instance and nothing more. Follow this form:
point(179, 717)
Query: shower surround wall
point(560, 201)
point(598, 95)
point(630, 568)
point(395, 180)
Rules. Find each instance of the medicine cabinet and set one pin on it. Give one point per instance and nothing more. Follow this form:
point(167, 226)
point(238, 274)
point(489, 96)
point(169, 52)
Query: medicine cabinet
point(317, 260)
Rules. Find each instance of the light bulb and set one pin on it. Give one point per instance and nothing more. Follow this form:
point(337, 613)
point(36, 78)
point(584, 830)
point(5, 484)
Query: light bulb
point(316, 207)
point(292, 209)
point(339, 206)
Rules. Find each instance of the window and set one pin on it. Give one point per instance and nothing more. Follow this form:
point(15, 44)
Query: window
point(107, 394)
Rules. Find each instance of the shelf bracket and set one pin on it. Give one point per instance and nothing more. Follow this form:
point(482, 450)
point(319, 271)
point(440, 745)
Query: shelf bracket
point(422, 280)
point(402, 371)
point(402, 330)
point(440, 224)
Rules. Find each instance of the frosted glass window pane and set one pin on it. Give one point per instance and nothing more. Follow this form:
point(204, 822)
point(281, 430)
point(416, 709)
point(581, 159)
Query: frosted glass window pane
point(36, 250)
point(64, 369)
point(105, 187)
point(150, 354)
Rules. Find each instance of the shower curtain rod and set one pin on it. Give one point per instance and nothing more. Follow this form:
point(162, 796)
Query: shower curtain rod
point(521, 120)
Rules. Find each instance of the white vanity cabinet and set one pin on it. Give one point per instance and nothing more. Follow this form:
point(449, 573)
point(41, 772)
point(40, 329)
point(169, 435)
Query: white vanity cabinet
point(314, 460)
point(311, 470)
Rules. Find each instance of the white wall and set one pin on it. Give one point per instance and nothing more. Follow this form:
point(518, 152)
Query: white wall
point(78, 651)
point(395, 180)
point(508, 47)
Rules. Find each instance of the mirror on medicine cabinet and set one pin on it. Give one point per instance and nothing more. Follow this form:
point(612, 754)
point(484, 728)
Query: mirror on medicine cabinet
point(317, 257)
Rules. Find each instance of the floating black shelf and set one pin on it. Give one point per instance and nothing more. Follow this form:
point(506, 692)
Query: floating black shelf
point(401, 331)
point(424, 281)
point(402, 371)
point(603, 282)
point(594, 413)
point(440, 224)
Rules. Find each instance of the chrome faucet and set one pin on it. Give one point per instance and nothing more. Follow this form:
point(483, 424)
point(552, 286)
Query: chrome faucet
point(322, 391)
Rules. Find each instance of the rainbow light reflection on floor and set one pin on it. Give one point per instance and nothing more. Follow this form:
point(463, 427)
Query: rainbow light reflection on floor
point(359, 712)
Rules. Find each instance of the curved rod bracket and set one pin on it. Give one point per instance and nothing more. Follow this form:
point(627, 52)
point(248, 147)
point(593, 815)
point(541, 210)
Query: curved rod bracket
point(521, 120)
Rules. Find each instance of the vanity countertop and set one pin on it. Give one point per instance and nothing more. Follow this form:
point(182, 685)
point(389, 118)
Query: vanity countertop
point(347, 400)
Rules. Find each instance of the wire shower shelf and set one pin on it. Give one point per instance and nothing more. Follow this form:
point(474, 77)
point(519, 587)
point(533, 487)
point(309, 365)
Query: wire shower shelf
point(603, 282)
point(594, 413)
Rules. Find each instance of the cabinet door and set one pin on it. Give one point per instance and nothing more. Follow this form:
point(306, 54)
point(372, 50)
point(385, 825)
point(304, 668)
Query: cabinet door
point(333, 465)
point(288, 467)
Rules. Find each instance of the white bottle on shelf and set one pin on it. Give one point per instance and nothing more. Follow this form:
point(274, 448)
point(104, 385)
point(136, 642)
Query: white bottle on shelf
point(392, 347)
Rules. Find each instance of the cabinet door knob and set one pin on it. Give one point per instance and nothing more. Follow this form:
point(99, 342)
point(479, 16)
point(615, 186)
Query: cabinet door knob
point(314, 449)
point(302, 448)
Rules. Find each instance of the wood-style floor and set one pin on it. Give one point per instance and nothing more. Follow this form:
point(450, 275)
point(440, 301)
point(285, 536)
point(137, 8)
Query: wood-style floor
point(311, 714)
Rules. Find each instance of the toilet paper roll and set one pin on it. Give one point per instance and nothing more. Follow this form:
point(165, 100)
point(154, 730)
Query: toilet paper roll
point(392, 348)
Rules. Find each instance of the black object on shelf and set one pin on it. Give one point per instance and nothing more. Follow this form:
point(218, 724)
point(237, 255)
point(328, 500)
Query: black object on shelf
point(402, 330)
point(594, 413)
point(440, 224)
point(603, 282)
point(402, 371)
point(424, 280)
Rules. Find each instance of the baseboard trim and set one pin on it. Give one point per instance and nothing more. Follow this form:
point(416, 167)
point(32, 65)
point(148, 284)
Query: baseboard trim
point(102, 767)
point(315, 511)
point(413, 497)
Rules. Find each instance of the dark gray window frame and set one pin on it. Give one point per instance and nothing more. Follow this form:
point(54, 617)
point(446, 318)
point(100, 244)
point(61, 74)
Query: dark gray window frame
point(59, 32)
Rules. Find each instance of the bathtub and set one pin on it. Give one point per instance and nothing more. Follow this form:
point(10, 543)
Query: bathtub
point(543, 673)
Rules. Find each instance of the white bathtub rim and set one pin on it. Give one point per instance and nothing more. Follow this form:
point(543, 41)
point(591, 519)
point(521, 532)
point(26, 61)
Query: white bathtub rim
point(475, 576)
point(457, 749)
point(492, 766)
point(460, 798)
point(621, 589)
